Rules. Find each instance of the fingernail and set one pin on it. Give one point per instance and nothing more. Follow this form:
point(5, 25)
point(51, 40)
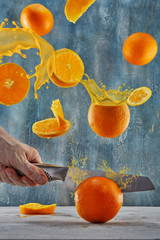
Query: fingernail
point(41, 180)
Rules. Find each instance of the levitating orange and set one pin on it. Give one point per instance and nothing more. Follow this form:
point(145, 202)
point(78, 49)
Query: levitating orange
point(108, 121)
point(75, 8)
point(52, 127)
point(98, 199)
point(14, 84)
point(69, 68)
point(36, 208)
point(38, 18)
point(140, 48)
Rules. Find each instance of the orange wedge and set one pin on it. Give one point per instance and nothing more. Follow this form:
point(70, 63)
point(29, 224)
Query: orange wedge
point(139, 96)
point(36, 208)
point(52, 127)
point(68, 69)
point(75, 8)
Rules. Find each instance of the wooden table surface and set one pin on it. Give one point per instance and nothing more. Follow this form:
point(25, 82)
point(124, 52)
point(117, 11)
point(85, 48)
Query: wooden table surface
point(130, 223)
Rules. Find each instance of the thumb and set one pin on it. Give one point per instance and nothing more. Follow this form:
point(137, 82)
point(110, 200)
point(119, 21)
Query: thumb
point(34, 173)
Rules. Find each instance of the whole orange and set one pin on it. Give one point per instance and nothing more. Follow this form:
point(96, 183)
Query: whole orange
point(37, 18)
point(98, 199)
point(108, 121)
point(140, 48)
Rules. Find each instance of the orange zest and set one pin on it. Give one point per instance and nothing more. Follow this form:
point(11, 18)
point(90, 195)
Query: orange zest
point(52, 127)
point(68, 69)
point(37, 18)
point(74, 9)
point(108, 121)
point(140, 48)
point(98, 199)
point(36, 208)
point(139, 96)
point(14, 84)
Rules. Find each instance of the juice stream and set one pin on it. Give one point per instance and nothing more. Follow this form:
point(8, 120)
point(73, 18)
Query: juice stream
point(13, 40)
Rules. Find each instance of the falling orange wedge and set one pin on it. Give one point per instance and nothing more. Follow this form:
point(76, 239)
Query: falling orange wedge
point(36, 208)
point(74, 9)
point(52, 127)
point(139, 96)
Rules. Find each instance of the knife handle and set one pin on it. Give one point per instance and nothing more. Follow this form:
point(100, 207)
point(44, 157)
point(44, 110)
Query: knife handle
point(52, 172)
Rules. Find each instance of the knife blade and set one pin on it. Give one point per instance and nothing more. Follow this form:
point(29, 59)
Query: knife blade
point(73, 176)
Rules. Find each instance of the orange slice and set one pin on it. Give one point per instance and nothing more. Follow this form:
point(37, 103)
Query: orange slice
point(14, 84)
point(36, 208)
point(52, 127)
point(75, 8)
point(139, 96)
point(69, 68)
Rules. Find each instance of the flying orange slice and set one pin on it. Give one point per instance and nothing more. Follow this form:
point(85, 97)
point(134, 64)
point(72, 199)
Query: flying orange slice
point(74, 9)
point(139, 96)
point(14, 84)
point(36, 208)
point(52, 127)
point(68, 69)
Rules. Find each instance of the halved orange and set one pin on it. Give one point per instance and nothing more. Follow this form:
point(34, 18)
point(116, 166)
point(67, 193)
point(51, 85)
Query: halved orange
point(52, 127)
point(75, 8)
point(69, 68)
point(139, 96)
point(14, 84)
point(36, 208)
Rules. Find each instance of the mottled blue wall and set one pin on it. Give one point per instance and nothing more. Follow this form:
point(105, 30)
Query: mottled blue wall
point(98, 37)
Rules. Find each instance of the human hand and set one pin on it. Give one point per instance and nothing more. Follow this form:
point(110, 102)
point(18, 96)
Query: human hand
point(17, 155)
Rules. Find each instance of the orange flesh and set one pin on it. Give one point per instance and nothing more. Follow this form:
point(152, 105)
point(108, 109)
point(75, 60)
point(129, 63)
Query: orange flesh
point(69, 68)
point(14, 84)
point(138, 96)
point(75, 8)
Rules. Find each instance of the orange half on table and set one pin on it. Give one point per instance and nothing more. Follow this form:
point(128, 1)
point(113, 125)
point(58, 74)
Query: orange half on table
point(139, 96)
point(68, 69)
point(36, 208)
point(14, 84)
point(52, 127)
point(74, 9)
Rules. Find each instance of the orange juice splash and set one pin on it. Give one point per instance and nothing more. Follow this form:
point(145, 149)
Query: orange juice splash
point(13, 40)
point(78, 176)
point(100, 96)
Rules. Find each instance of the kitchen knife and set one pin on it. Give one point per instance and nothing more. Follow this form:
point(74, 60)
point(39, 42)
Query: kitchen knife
point(73, 176)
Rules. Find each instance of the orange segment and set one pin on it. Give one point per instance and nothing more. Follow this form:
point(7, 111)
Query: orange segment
point(139, 96)
point(14, 84)
point(36, 208)
point(75, 8)
point(69, 68)
point(57, 109)
point(52, 127)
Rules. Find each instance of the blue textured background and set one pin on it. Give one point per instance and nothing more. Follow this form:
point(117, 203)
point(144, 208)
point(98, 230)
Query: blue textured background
point(98, 37)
